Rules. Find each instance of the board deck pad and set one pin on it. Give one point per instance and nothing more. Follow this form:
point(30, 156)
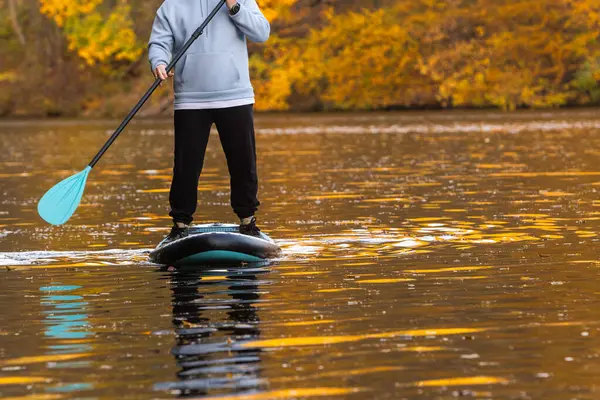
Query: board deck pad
point(209, 244)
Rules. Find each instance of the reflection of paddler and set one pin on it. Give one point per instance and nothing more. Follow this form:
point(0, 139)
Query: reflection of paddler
point(203, 348)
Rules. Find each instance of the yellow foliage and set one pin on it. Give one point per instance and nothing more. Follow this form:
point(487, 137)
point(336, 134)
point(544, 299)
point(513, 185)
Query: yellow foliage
point(100, 38)
point(97, 38)
point(63, 10)
point(273, 9)
point(454, 53)
point(275, 79)
point(525, 54)
point(8, 76)
point(363, 60)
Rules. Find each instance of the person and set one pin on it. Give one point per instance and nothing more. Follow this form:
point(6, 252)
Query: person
point(212, 85)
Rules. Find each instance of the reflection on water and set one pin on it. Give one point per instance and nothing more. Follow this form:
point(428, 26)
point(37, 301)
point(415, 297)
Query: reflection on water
point(68, 330)
point(426, 255)
point(205, 349)
point(66, 318)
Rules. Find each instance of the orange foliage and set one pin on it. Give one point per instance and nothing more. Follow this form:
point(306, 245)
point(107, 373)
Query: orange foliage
point(538, 53)
point(449, 53)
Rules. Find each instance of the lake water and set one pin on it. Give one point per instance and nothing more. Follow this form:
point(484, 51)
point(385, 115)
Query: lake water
point(426, 256)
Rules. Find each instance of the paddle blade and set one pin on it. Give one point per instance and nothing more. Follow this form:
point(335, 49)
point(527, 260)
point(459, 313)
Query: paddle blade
point(60, 202)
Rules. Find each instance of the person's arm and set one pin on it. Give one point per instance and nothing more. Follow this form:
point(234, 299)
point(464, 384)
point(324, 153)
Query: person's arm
point(250, 20)
point(160, 45)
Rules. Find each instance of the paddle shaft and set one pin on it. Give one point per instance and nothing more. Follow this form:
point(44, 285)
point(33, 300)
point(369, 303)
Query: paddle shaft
point(156, 83)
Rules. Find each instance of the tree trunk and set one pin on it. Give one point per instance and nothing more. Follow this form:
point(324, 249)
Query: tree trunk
point(12, 12)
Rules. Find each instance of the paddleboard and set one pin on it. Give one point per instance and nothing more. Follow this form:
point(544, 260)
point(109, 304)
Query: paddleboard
point(215, 244)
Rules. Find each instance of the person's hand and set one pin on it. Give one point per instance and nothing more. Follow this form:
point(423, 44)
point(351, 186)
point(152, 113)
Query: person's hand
point(161, 72)
point(230, 3)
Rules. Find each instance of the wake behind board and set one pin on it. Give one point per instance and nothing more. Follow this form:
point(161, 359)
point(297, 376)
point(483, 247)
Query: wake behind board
point(215, 244)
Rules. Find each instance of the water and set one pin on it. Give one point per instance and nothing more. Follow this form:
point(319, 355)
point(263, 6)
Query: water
point(426, 255)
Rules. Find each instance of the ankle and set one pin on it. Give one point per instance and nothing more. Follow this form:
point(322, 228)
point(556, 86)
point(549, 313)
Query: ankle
point(246, 221)
point(181, 225)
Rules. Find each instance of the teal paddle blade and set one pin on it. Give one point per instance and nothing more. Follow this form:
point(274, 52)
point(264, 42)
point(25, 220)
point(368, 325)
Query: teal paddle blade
point(60, 202)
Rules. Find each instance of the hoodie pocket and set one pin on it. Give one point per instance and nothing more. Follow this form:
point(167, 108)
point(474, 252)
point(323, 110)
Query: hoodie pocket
point(210, 72)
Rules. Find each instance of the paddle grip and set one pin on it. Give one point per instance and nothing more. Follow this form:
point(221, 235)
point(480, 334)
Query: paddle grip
point(156, 83)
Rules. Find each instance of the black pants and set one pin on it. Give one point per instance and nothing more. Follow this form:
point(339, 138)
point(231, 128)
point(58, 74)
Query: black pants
point(236, 131)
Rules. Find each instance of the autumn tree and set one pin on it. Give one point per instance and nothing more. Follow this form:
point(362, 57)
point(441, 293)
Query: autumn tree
point(98, 36)
point(537, 53)
point(71, 56)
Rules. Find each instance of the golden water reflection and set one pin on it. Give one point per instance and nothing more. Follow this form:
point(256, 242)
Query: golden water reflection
point(426, 255)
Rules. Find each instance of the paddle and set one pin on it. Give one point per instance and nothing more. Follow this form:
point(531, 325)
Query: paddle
point(61, 201)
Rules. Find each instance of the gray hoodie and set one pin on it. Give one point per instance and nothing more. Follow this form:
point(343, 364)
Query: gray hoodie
point(215, 67)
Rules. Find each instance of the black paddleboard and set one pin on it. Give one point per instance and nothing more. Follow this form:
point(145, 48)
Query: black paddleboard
point(215, 244)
